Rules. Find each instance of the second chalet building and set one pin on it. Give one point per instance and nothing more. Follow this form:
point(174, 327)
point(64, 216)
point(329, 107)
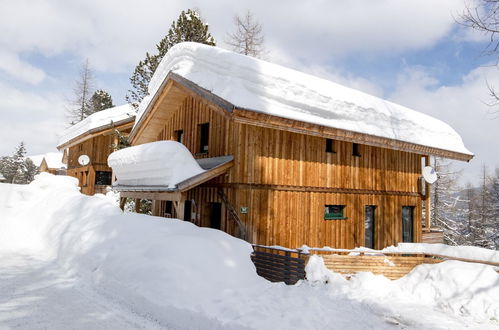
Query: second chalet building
point(279, 157)
point(87, 145)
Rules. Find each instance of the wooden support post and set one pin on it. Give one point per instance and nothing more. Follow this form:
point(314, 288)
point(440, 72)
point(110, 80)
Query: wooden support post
point(428, 199)
point(137, 205)
point(155, 207)
point(122, 203)
point(180, 206)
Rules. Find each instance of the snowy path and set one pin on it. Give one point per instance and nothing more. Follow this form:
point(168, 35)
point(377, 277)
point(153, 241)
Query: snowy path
point(33, 295)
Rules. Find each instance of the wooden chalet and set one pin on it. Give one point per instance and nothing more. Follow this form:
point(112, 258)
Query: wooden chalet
point(50, 162)
point(95, 138)
point(281, 177)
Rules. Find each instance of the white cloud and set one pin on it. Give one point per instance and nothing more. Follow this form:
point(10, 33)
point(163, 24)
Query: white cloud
point(115, 34)
point(12, 65)
point(463, 106)
point(30, 117)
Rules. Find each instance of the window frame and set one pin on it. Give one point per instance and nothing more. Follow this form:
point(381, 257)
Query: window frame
point(356, 149)
point(339, 215)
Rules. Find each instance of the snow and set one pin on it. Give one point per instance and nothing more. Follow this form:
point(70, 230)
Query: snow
point(76, 261)
point(161, 163)
point(260, 86)
point(53, 159)
point(466, 252)
point(96, 120)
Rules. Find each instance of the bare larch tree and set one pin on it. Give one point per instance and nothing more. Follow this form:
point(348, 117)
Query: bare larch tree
point(247, 39)
point(80, 107)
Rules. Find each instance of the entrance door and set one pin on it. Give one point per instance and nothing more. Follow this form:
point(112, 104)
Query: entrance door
point(187, 210)
point(407, 224)
point(370, 225)
point(215, 215)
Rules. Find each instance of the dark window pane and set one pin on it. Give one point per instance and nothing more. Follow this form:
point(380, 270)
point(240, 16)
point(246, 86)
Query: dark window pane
point(407, 224)
point(370, 226)
point(103, 178)
point(179, 136)
point(204, 134)
point(329, 145)
point(355, 150)
point(333, 212)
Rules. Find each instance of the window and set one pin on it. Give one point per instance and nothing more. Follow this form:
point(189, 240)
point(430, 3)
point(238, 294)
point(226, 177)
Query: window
point(407, 224)
point(103, 178)
point(179, 136)
point(355, 150)
point(330, 145)
point(369, 226)
point(334, 212)
point(204, 134)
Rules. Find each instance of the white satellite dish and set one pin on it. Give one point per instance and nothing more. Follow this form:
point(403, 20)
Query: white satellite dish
point(429, 174)
point(83, 160)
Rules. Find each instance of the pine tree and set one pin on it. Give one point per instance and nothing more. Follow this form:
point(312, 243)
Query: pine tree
point(80, 105)
point(100, 100)
point(188, 27)
point(248, 38)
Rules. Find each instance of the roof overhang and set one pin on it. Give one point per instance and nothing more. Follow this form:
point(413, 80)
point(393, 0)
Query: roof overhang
point(213, 167)
point(101, 130)
point(166, 101)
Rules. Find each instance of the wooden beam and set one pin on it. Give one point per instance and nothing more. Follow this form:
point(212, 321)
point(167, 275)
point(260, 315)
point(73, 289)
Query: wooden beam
point(152, 195)
point(137, 205)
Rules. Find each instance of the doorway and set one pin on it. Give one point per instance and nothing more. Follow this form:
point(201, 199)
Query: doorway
point(216, 215)
point(188, 210)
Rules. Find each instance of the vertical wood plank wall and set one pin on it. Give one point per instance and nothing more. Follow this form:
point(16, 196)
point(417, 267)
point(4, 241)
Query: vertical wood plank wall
point(272, 166)
point(98, 149)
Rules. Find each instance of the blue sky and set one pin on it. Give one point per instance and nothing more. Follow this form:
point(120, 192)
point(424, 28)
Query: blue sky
point(410, 52)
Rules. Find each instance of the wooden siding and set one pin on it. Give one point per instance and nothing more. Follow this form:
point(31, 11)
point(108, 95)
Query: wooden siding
point(269, 156)
point(191, 113)
point(286, 178)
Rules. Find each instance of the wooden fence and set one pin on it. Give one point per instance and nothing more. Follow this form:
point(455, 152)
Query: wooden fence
point(279, 264)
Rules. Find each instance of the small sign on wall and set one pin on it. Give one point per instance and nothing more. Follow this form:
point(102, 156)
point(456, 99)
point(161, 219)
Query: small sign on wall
point(244, 209)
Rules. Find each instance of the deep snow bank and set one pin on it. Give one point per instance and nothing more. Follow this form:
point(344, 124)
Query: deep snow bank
point(191, 277)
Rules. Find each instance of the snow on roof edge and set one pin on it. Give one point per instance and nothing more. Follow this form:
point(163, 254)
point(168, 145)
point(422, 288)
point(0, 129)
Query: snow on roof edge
point(97, 120)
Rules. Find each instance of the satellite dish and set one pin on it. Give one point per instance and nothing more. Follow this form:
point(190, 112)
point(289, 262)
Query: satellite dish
point(429, 174)
point(83, 160)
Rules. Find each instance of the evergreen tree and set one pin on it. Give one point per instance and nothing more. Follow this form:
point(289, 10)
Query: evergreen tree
point(17, 168)
point(100, 100)
point(247, 39)
point(188, 27)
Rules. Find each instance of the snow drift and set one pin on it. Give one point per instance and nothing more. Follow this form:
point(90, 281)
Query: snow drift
point(187, 277)
point(162, 163)
point(260, 86)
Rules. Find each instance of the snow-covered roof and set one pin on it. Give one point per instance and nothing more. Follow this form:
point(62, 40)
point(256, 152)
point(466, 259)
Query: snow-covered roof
point(162, 163)
point(256, 85)
point(97, 120)
point(53, 159)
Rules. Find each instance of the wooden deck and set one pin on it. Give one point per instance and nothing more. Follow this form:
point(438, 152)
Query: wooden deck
point(392, 267)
